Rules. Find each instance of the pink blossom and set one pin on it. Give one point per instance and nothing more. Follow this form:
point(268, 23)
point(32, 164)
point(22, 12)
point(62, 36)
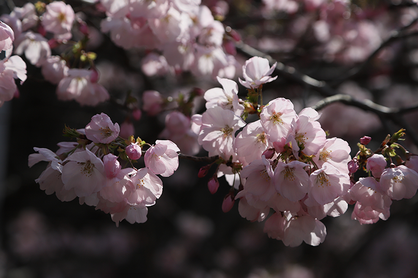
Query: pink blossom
point(309, 136)
point(84, 172)
point(376, 164)
point(365, 140)
point(154, 64)
point(58, 19)
point(399, 182)
point(291, 180)
point(54, 69)
point(27, 15)
point(133, 151)
point(6, 36)
point(251, 142)
point(256, 72)
point(101, 129)
point(111, 165)
point(10, 69)
point(228, 203)
point(412, 163)
point(147, 188)
point(213, 185)
point(328, 183)
point(217, 132)
point(256, 211)
point(162, 158)
point(304, 228)
point(177, 123)
point(212, 35)
point(34, 46)
point(126, 129)
point(78, 86)
point(277, 118)
point(149, 9)
point(227, 97)
point(275, 225)
point(172, 26)
point(371, 205)
point(152, 102)
point(336, 152)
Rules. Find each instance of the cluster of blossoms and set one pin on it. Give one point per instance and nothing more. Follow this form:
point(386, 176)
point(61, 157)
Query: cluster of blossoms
point(185, 32)
point(90, 169)
point(39, 29)
point(11, 67)
point(387, 181)
point(283, 162)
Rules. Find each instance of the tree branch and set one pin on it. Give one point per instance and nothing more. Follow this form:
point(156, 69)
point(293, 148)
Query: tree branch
point(287, 71)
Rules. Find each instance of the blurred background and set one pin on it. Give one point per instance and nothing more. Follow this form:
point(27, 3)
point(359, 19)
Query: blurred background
point(187, 234)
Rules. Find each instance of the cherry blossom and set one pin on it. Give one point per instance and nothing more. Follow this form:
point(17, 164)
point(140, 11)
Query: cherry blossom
point(256, 72)
point(217, 132)
point(58, 19)
point(162, 158)
point(101, 129)
point(84, 172)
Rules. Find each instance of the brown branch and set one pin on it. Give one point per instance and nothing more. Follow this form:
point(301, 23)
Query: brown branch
point(395, 36)
point(394, 114)
point(287, 71)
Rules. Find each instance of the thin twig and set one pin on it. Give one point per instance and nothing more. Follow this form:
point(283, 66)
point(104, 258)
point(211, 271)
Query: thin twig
point(287, 71)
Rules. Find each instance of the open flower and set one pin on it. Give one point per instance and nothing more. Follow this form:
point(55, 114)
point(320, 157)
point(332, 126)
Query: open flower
point(256, 72)
point(162, 159)
point(101, 129)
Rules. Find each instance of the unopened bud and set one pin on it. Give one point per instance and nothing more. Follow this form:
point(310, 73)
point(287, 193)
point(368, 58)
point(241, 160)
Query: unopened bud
point(133, 151)
point(365, 140)
point(203, 171)
point(136, 114)
point(94, 77)
point(268, 153)
point(353, 166)
point(228, 203)
point(53, 43)
point(213, 185)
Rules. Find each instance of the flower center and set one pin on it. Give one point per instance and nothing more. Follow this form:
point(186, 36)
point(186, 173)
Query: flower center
point(288, 174)
point(324, 154)
point(322, 180)
point(275, 118)
point(106, 132)
point(227, 131)
point(88, 168)
point(261, 137)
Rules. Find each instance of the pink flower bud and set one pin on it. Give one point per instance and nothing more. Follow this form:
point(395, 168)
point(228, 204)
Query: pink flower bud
point(41, 30)
point(365, 140)
point(53, 43)
point(136, 114)
point(268, 153)
point(126, 129)
point(203, 171)
point(133, 151)
point(213, 185)
point(229, 47)
point(228, 203)
point(94, 77)
point(111, 165)
point(376, 163)
point(279, 145)
point(353, 166)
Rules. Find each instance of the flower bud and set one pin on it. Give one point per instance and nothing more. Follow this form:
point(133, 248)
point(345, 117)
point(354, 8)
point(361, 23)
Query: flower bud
point(268, 153)
point(213, 185)
point(228, 203)
point(126, 129)
point(133, 151)
point(111, 165)
point(353, 166)
point(136, 114)
point(203, 171)
point(365, 140)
